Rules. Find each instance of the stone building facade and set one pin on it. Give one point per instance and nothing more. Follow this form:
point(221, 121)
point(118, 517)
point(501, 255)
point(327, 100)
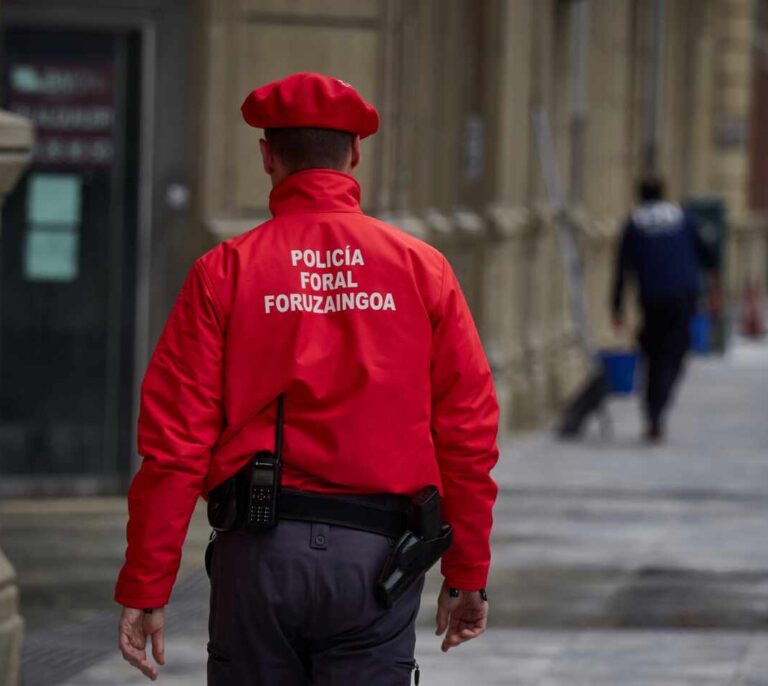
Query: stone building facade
point(456, 163)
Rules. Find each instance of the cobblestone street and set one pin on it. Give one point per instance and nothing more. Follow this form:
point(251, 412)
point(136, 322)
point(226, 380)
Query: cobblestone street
point(615, 563)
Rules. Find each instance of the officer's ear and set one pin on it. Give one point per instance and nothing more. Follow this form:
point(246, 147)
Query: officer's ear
point(267, 157)
point(355, 160)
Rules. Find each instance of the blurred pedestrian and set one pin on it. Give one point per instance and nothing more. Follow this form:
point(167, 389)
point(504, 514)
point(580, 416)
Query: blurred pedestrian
point(661, 247)
point(319, 378)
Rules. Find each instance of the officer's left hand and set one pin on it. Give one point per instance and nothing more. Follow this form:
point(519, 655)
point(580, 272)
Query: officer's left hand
point(465, 616)
point(134, 627)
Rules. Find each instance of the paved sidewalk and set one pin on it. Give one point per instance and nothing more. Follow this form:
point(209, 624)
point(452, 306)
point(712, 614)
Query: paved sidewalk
point(617, 533)
point(615, 563)
point(511, 657)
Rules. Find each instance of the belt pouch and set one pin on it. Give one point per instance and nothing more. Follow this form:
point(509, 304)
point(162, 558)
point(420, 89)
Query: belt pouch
point(222, 505)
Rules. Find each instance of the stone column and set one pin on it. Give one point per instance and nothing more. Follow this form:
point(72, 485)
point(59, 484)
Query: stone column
point(16, 137)
point(506, 287)
point(733, 66)
point(11, 625)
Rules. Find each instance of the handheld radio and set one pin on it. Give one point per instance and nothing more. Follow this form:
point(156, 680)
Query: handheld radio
point(264, 482)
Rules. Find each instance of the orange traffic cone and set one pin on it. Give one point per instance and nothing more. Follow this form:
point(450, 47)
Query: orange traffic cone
point(751, 311)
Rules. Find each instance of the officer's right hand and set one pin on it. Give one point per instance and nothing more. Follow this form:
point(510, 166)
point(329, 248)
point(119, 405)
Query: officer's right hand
point(465, 616)
point(134, 627)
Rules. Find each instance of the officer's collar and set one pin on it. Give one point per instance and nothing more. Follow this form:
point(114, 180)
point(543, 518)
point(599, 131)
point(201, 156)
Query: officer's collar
point(315, 190)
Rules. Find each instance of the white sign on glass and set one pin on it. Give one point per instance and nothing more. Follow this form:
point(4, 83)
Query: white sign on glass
point(52, 242)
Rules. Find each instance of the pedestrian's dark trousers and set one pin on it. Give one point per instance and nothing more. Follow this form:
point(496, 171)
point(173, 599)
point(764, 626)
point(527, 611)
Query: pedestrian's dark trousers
point(664, 340)
point(294, 606)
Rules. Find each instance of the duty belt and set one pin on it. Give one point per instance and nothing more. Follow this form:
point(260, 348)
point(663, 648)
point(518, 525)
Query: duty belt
point(384, 514)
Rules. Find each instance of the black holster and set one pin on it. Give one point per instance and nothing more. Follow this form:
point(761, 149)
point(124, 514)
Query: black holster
point(417, 550)
point(225, 502)
point(225, 512)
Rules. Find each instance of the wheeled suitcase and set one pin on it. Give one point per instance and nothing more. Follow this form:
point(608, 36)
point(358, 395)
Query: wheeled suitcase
point(588, 400)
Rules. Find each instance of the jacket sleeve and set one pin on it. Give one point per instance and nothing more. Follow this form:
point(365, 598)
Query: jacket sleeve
point(180, 419)
point(465, 418)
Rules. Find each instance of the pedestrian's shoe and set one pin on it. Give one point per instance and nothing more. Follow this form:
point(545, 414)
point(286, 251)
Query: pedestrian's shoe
point(655, 433)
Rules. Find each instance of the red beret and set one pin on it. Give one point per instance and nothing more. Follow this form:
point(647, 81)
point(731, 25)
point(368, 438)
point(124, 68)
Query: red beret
point(310, 100)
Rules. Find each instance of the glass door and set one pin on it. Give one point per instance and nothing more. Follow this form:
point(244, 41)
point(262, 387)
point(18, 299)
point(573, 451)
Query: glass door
point(67, 259)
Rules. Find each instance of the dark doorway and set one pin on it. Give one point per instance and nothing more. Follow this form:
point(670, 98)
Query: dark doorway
point(68, 260)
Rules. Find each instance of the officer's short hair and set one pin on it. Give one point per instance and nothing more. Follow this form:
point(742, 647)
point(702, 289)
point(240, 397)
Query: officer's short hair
point(650, 187)
point(310, 148)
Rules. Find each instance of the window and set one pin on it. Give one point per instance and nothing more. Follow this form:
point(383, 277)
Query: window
point(52, 240)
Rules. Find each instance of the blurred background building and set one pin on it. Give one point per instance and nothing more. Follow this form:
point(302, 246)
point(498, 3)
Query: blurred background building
point(142, 162)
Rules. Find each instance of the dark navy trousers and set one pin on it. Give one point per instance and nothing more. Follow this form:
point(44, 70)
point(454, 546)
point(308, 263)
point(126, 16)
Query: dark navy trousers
point(664, 339)
point(294, 606)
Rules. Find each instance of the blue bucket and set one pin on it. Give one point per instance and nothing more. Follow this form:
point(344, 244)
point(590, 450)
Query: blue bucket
point(701, 333)
point(619, 369)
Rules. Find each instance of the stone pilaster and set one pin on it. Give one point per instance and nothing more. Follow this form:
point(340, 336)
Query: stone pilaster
point(11, 626)
point(16, 138)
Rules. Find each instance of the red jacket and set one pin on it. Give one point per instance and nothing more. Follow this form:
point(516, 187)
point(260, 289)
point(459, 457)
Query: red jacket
point(364, 329)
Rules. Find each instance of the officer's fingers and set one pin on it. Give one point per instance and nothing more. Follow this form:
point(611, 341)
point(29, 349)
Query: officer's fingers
point(128, 646)
point(136, 637)
point(469, 634)
point(456, 637)
point(143, 665)
point(474, 621)
point(483, 621)
point(145, 668)
point(136, 657)
point(461, 630)
point(158, 646)
point(452, 635)
point(441, 619)
point(451, 640)
point(131, 651)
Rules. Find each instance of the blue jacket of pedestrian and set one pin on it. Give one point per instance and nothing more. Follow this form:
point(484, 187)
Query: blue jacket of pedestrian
point(662, 247)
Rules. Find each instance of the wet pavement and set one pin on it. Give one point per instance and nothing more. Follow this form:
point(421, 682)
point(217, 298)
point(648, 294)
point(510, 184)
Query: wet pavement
point(614, 562)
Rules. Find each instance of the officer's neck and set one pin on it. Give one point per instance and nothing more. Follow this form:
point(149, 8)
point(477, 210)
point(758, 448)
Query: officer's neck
point(281, 172)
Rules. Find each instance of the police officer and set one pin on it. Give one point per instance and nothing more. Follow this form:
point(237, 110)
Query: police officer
point(346, 346)
point(662, 248)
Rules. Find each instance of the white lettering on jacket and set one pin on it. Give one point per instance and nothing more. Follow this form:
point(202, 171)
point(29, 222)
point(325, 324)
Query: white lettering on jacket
point(327, 259)
point(323, 304)
point(312, 283)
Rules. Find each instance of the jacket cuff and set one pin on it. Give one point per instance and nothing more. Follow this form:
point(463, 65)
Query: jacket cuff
point(140, 602)
point(465, 578)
